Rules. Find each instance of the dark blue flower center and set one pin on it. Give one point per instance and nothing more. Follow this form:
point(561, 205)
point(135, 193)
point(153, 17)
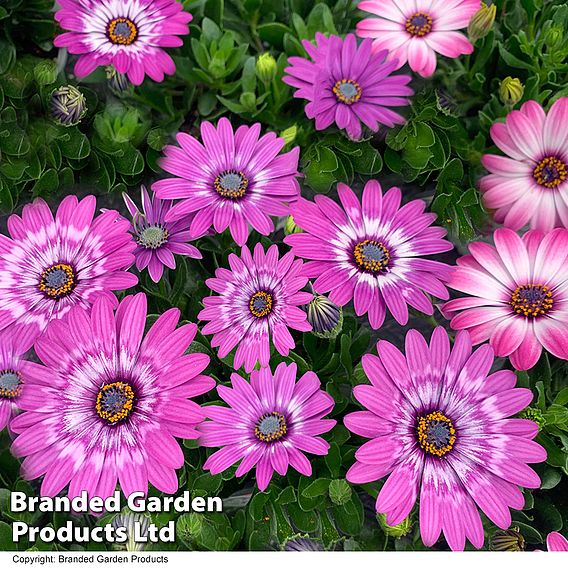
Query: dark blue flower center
point(122, 31)
point(371, 256)
point(532, 300)
point(271, 427)
point(231, 184)
point(436, 433)
point(260, 304)
point(115, 402)
point(10, 384)
point(419, 24)
point(57, 281)
point(550, 172)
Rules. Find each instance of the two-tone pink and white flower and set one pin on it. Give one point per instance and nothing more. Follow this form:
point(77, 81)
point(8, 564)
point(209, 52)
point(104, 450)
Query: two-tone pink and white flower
point(529, 185)
point(517, 295)
point(414, 31)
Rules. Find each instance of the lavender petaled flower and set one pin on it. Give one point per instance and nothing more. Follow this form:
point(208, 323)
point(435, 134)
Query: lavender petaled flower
point(157, 239)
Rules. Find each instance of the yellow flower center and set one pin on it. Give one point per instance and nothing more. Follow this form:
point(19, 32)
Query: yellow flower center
point(10, 384)
point(115, 402)
point(419, 24)
point(231, 184)
point(122, 31)
point(57, 281)
point(347, 91)
point(532, 300)
point(436, 433)
point(271, 427)
point(550, 172)
point(260, 304)
point(371, 256)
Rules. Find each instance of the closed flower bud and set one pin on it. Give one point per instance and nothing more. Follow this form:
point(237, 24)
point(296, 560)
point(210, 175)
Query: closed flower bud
point(535, 415)
point(511, 91)
point(289, 134)
point(554, 37)
point(303, 545)
point(118, 82)
point(45, 72)
point(396, 531)
point(290, 227)
point(325, 317)
point(67, 105)
point(266, 67)
point(482, 22)
point(507, 541)
point(128, 520)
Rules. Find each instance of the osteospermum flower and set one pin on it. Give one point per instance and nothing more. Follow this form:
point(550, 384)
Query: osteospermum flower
point(128, 34)
point(49, 265)
point(270, 422)
point(348, 85)
point(371, 251)
point(555, 542)
point(110, 401)
point(158, 240)
point(257, 303)
point(530, 184)
point(234, 179)
point(518, 295)
point(414, 31)
point(440, 430)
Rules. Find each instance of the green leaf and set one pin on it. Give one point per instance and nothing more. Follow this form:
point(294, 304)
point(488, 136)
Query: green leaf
point(316, 488)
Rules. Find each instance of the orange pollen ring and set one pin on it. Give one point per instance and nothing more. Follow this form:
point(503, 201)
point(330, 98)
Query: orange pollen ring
point(10, 384)
point(260, 304)
point(550, 172)
point(122, 31)
point(57, 281)
point(532, 300)
point(347, 91)
point(419, 24)
point(115, 402)
point(436, 434)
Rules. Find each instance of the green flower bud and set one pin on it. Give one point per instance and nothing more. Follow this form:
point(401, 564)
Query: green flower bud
point(128, 520)
point(290, 227)
point(266, 68)
point(535, 415)
point(554, 37)
point(289, 134)
point(339, 491)
point(45, 72)
point(188, 526)
point(507, 541)
point(118, 82)
point(67, 105)
point(325, 317)
point(397, 531)
point(482, 22)
point(511, 91)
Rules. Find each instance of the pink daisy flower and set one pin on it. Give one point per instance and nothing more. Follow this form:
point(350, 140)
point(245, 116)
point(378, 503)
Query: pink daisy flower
point(110, 401)
point(414, 31)
point(157, 240)
point(530, 184)
point(257, 303)
point(518, 295)
point(127, 34)
point(348, 85)
point(270, 422)
point(49, 265)
point(371, 251)
point(440, 429)
point(234, 179)
point(555, 542)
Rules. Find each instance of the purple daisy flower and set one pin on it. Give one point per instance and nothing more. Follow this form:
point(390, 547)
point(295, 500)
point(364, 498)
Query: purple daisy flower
point(50, 265)
point(234, 179)
point(270, 422)
point(440, 428)
point(109, 401)
point(128, 34)
point(371, 252)
point(157, 240)
point(348, 84)
point(258, 302)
